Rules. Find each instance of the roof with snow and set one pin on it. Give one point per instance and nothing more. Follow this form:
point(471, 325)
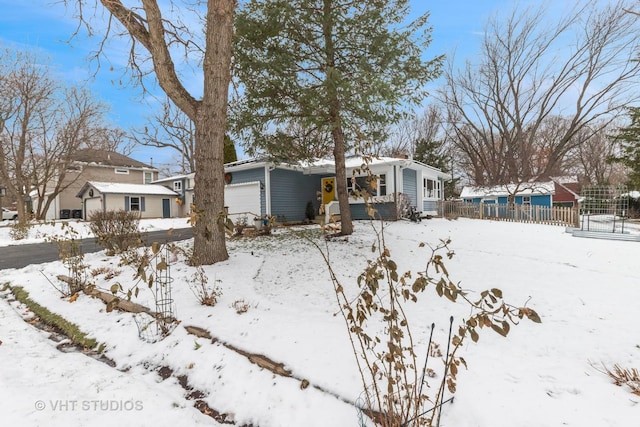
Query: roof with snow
point(120, 188)
point(107, 158)
point(525, 189)
point(175, 178)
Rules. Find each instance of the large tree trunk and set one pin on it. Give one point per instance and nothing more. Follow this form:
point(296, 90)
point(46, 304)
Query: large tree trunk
point(210, 123)
point(346, 225)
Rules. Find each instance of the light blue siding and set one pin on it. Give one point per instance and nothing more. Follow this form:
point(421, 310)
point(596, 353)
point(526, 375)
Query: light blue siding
point(386, 211)
point(430, 206)
point(410, 185)
point(290, 193)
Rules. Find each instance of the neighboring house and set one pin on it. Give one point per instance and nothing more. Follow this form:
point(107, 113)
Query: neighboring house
point(259, 187)
point(151, 200)
point(182, 185)
point(567, 191)
point(99, 166)
point(557, 192)
point(534, 194)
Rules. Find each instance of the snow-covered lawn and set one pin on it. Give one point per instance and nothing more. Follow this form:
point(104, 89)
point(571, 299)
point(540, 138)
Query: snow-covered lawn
point(587, 293)
point(41, 230)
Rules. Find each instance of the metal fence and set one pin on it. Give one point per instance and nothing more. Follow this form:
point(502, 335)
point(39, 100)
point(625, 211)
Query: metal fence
point(563, 216)
point(604, 208)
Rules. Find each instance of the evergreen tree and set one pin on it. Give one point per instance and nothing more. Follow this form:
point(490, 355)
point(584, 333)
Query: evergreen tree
point(629, 138)
point(432, 153)
point(230, 154)
point(321, 76)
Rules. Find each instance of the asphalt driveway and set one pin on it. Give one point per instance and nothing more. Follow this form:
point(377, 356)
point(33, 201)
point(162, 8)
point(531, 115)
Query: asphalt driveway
point(18, 256)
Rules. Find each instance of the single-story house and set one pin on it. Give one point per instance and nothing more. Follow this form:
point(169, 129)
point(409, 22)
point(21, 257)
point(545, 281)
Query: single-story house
point(259, 187)
point(561, 191)
point(532, 193)
point(151, 200)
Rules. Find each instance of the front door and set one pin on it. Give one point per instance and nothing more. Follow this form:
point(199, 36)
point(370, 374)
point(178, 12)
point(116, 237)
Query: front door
point(166, 208)
point(328, 190)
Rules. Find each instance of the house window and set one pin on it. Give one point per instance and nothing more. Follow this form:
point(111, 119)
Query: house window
point(432, 189)
point(122, 171)
point(177, 185)
point(526, 200)
point(148, 177)
point(374, 185)
point(134, 203)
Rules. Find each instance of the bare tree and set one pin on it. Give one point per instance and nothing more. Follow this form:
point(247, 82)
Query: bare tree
point(502, 109)
point(404, 136)
point(111, 139)
point(45, 124)
point(196, 34)
point(590, 159)
point(170, 128)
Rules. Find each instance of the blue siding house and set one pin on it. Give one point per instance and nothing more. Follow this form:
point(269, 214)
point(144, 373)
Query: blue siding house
point(496, 199)
point(259, 187)
point(531, 193)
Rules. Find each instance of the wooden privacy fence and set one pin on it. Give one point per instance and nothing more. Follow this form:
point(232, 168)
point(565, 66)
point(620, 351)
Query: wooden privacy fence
point(504, 212)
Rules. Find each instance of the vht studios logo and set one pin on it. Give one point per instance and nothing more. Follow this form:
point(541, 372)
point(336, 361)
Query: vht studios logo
point(110, 405)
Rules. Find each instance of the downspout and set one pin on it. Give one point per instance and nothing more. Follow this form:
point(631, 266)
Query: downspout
point(420, 190)
point(395, 190)
point(267, 189)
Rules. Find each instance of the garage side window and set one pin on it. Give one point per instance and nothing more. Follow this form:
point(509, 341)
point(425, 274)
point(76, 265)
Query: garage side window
point(134, 203)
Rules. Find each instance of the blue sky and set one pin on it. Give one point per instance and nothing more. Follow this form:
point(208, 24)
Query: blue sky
point(45, 27)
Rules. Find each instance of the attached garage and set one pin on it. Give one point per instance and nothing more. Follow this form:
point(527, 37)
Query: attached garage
point(242, 200)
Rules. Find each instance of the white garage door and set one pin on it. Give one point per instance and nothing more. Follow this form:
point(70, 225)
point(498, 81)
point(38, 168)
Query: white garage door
point(91, 205)
point(243, 200)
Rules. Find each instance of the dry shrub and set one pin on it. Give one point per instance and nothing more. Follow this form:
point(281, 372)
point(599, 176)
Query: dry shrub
point(240, 306)
point(108, 272)
point(116, 231)
point(625, 376)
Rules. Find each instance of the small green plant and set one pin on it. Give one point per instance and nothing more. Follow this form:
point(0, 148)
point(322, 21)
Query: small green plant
point(116, 231)
point(309, 211)
point(69, 329)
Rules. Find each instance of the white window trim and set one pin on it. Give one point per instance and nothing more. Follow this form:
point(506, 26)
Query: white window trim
point(378, 198)
point(144, 177)
point(139, 203)
point(121, 171)
point(434, 193)
point(177, 185)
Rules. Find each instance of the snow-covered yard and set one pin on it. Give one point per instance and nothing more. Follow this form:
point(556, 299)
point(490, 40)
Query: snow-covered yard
point(587, 293)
